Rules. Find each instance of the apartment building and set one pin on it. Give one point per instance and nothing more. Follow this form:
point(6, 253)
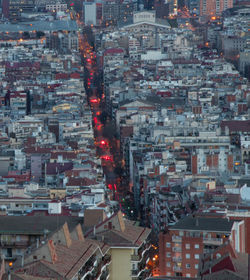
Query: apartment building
point(19, 233)
point(56, 7)
point(86, 258)
point(12, 9)
point(213, 7)
point(129, 246)
point(185, 243)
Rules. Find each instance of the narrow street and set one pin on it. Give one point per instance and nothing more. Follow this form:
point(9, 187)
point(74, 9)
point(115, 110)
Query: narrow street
point(107, 146)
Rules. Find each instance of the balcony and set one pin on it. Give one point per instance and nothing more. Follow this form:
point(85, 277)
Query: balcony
point(177, 259)
point(213, 241)
point(134, 272)
point(142, 268)
point(177, 268)
point(86, 271)
point(141, 274)
point(135, 258)
point(97, 270)
point(176, 249)
point(176, 238)
point(141, 251)
point(107, 259)
point(105, 275)
point(9, 243)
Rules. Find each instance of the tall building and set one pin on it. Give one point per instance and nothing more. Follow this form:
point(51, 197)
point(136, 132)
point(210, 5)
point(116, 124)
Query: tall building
point(110, 12)
point(214, 7)
point(5, 8)
point(12, 9)
point(181, 248)
point(92, 12)
point(126, 11)
point(193, 7)
point(115, 12)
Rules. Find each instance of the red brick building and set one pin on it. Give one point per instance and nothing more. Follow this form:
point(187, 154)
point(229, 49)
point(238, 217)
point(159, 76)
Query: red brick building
point(185, 243)
point(213, 7)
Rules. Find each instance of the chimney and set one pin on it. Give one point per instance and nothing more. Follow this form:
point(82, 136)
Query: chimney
point(110, 225)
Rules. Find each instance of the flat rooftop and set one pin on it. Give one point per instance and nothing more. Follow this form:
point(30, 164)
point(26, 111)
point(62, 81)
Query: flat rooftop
point(56, 25)
point(203, 224)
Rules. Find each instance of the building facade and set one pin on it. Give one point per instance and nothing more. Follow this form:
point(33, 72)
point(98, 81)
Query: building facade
point(212, 7)
point(181, 248)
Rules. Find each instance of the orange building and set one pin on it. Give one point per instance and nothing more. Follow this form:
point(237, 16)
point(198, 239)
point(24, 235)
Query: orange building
point(214, 7)
point(185, 243)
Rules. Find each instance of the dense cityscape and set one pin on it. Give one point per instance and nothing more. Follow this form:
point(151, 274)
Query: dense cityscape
point(125, 139)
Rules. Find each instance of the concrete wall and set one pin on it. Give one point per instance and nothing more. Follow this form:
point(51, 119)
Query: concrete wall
point(120, 267)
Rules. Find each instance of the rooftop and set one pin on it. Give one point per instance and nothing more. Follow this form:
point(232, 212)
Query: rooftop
point(55, 25)
point(33, 224)
point(203, 224)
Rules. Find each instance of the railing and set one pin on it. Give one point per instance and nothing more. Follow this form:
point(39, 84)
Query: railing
point(177, 268)
point(135, 258)
point(134, 272)
point(104, 275)
point(176, 249)
point(138, 257)
point(214, 241)
point(176, 238)
point(88, 268)
point(141, 268)
point(14, 243)
point(107, 259)
point(177, 259)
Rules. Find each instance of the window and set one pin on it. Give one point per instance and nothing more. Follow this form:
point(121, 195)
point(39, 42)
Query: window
point(181, 233)
point(188, 275)
point(187, 246)
point(168, 255)
point(188, 265)
point(196, 246)
point(188, 256)
point(196, 256)
point(168, 244)
point(196, 266)
point(168, 264)
point(18, 251)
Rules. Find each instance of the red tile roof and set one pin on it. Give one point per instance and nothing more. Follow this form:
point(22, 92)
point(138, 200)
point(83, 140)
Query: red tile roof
point(113, 51)
point(57, 168)
point(236, 126)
